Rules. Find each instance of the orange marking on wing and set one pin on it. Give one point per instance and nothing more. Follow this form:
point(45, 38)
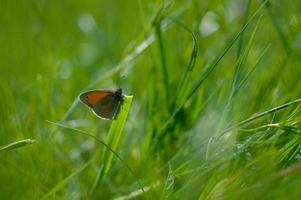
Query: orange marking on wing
point(95, 96)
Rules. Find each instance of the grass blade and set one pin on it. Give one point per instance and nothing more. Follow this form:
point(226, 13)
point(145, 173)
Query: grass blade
point(182, 87)
point(163, 61)
point(18, 144)
point(113, 140)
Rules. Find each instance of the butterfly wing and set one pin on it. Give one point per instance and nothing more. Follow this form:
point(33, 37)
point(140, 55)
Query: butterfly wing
point(107, 107)
point(90, 98)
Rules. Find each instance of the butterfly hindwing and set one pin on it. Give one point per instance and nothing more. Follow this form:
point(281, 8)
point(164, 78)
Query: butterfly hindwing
point(106, 107)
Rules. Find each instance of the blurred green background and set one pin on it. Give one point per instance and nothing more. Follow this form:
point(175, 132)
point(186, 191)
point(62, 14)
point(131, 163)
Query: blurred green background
point(193, 84)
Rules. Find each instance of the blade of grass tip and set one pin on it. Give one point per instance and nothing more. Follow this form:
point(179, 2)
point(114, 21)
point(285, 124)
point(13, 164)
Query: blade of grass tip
point(17, 144)
point(104, 144)
point(262, 114)
point(208, 71)
point(182, 87)
point(63, 182)
point(114, 137)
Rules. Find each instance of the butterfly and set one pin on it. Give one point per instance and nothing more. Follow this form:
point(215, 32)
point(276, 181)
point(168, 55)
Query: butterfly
point(104, 103)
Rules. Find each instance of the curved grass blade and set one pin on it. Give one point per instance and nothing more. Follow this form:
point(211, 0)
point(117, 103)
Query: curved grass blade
point(182, 87)
point(18, 144)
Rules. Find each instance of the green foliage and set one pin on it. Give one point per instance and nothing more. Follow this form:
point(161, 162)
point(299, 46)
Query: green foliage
point(213, 110)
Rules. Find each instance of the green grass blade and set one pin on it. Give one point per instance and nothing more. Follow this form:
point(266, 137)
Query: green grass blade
point(182, 87)
point(158, 26)
point(116, 131)
point(113, 140)
point(18, 144)
point(163, 62)
point(273, 110)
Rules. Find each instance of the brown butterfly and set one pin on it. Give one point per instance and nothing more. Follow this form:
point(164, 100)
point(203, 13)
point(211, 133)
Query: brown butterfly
point(104, 103)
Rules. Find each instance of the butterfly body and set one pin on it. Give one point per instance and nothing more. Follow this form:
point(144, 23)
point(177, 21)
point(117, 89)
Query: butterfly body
point(104, 103)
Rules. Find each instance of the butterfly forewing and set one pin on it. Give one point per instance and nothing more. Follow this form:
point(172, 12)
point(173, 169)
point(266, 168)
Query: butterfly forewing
point(92, 97)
